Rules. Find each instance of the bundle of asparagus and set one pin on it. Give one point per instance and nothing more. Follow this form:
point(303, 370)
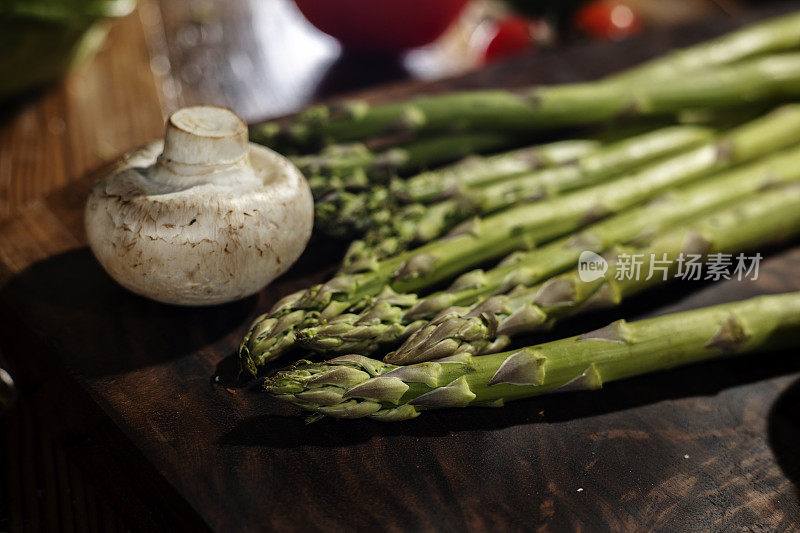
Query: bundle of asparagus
point(765, 219)
point(344, 168)
point(339, 169)
point(417, 223)
point(520, 227)
point(392, 319)
point(661, 194)
point(347, 212)
point(354, 166)
point(355, 386)
point(342, 211)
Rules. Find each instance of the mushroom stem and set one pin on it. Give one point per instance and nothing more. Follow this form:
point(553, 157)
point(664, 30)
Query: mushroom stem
point(202, 141)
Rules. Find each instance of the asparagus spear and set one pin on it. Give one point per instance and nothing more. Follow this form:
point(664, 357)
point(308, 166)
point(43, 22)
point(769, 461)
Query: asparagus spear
point(772, 36)
point(354, 386)
point(355, 166)
point(393, 317)
point(392, 221)
point(779, 34)
point(539, 108)
point(419, 224)
point(342, 212)
point(767, 218)
point(521, 227)
point(776, 35)
point(478, 171)
point(376, 205)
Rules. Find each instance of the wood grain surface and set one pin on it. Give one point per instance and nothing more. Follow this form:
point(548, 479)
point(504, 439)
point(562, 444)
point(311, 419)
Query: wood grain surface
point(129, 382)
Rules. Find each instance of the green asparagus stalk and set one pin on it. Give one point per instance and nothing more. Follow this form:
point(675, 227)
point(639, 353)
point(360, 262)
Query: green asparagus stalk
point(354, 386)
point(416, 224)
point(768, 218)
point(393, 317)
point(343, 212)
point(762, 79)
point(518, 228)
point(769, 37)
point(355, 166)
point(776, 35)
point(392, 221)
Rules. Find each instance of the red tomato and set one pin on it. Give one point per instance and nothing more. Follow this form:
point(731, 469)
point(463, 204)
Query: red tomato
point(608, 19)
point(382, 25)
point(513, 36)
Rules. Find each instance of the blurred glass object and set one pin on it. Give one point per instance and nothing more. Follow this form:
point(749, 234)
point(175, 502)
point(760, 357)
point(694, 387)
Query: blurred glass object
point(42, 39)
point(292, 57)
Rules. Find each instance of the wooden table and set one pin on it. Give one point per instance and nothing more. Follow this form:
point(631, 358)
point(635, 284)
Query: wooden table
point(129, 381)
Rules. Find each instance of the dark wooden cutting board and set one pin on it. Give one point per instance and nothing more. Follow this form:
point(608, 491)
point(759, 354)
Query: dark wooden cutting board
point(130, 382)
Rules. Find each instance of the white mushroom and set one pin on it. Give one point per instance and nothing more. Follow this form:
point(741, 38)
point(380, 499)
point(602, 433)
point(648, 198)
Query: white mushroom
point(201, 218)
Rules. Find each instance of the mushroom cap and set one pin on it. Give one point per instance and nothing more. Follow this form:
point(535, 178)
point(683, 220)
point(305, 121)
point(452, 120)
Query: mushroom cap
point(201, 218)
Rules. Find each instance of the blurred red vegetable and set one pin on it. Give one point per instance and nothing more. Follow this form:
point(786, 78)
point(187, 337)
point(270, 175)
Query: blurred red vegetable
point(387, 26)
point(608, 19)
point(515, 35)
point(512, 36)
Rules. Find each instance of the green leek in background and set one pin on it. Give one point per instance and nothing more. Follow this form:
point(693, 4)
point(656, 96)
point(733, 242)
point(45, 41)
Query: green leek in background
point(41, 40)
